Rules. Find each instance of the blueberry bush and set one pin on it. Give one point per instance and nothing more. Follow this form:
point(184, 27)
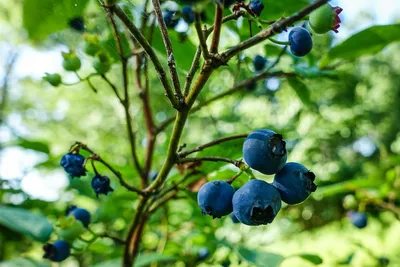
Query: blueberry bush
point(197, 133)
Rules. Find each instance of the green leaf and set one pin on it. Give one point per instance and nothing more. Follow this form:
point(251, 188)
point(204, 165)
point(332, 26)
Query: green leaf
point(34, 145)
point(43, 17)
point(260, 258)
point(301, 90)
point(367, 42)
point(26, 223)
point(276, 9)
point(110, 45)
point(311, 72)
point(311, 258)
point(23, 262)
point(142, 260)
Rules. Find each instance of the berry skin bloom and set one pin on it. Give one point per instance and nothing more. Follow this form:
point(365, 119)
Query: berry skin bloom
point(265, 151)
point(58, 251)
point(188, 14)
point(358, 219)
point(215, 198)
point(300, 41)
point(101, 185)
point(256, 6)
point(73, 164)
point(259, 62)
point(81, 215)
point(256, 203)
point(295, 183)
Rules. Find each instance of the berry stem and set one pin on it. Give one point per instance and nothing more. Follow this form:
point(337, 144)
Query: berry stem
point(94, 168)
point(278, 42)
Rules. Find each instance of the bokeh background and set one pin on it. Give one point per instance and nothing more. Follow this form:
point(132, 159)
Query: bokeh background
point(344, 127)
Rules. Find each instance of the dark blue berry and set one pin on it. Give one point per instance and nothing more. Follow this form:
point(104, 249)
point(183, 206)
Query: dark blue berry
point(265, 151)
point(226, 263)
point(101, 185)
point(234, 218)
point(58, 251)
point(215, 198)
point(77, 24)
point(259, 62)
point(188, 14)
point(295, 183)
point(251, 86)
point(73, 164)
point(256, 203)
point(256, 6)
point(300, 41)
point(203, 253)
point(170, 20)
point(81, 215)
point(358, 219)
point(153, 175)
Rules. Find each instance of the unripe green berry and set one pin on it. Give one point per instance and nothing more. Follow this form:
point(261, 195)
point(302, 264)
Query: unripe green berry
point(71, 62)
point(102, 63)
point(325, 18)
point(350, 202)
point(91, 46)
point(53, 79)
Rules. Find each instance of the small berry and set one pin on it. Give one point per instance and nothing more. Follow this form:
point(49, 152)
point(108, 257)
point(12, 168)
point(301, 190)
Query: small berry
point(256, 6)
point(325, 18)
point(215, 198)
point(259, 62)
point(58, 251)
point(265, 151)
point(53, 79)
point(300, 41)
point(169, 19)
point(73, 164)
point(295, 183)
point(71, 62)
point(203, 253)
point(251, 86)
point(256, 203)
point(350, 202)
point(153, 175)
point(102, 63)
point(101, 185)
point(77, 24)
point(358, 219)
point(188, 14)
point(234, 218)
point(80, 214)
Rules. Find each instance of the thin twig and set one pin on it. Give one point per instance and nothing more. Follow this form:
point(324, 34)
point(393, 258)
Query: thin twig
point(217, 29)
point(200, 34)
point(210, 158)
point(116, 239)
point(193, 69)
point(5, 83)
point(213, 143)
point(113, 87)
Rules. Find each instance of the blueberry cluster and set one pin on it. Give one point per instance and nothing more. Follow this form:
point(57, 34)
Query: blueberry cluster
point(172, 17)
point(258, 202)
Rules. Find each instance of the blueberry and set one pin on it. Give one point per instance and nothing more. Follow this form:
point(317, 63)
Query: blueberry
point(203, 253)
point(300, 41)
point(215, 198)
point(259, 62)
point(234, 218)
point(256, 6)
point(81, 215)
point(101, 185)
point(58, 251)
point(73, 164)
point(251, 86)
point(188, 14)
point(169, 19)
point(358, 219)
point(77, 24)
point(265, 151)
point(295, 183)
point(153, 175)
point(256, 203)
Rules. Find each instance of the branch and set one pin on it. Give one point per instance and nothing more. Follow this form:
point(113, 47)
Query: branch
point(4, 87)
point(193, 69)
point(277, 27)
point(116, 239)
point(149, 51)
point(113, 87)
point(213, 143)
point(202, 38)
point(168, 48)
point(237, 163)
point(217, 29)
point(230, 17)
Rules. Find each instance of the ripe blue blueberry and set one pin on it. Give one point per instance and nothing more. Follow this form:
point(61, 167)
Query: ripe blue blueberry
point(265, 151)
point(215, 198)
point(256, 203)
point(58, 251)
point(256, 6)
point(77, 24)
point(295, 183)
point(81, 215)
point(188, 14)
point(73, 164)
point(203, 253)
point(234, 218)
point(251, 86)
point(300, 41)
point(170, 20)
point(259, 62)
point(358, 219)
point(101, 185)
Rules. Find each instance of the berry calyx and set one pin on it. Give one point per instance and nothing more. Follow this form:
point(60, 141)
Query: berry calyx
point(265, 151)
point(80, 214)
point(259, 62)
point(58, 251)
point(256, 203)
point(358, 219)
point(73, 164)
point(71, 62)
point(188, 14)
point(54, 79)
point(295, 183)
point(215, 198)
point(300, 41)
point(325, 18)
point(256, 6)
point(101, 185)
